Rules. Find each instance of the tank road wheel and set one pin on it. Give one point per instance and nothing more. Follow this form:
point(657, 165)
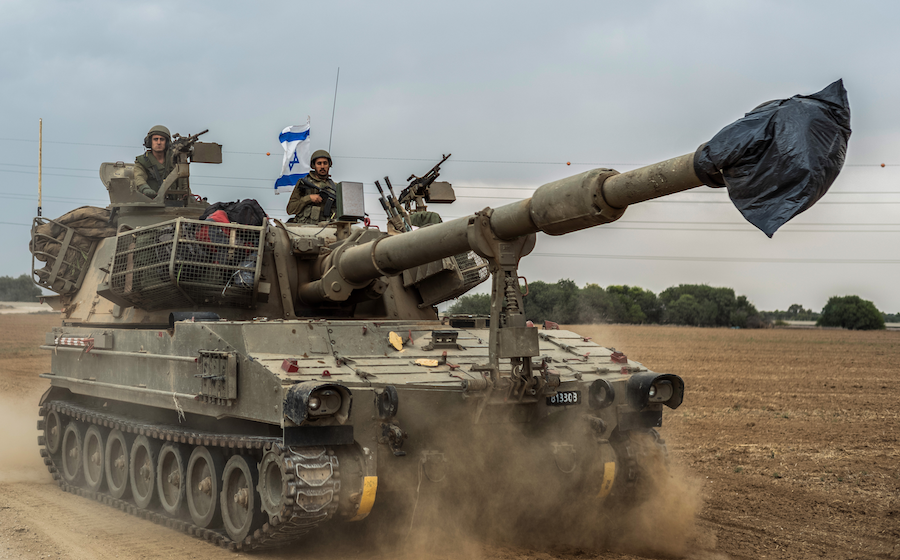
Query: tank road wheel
point(642, 456)
point(93, 458)
point(170, 478)
point(240, 502)
point(271, 483)
point(142, 470)
point(71, 453)
point(115, 464)
point(204, 471)
point(53, 431)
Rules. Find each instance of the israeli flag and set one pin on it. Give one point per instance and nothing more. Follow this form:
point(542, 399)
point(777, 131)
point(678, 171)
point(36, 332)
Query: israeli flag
point(295, 141)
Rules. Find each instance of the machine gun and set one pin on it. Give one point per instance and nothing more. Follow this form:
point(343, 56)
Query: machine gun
point(186, 150)
point(328, 196)
point(395, 213)
point(419, 189)
point(184, 144)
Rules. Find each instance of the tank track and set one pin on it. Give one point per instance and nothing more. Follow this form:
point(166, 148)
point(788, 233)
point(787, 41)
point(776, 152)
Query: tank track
point(630, 463)
point(290, 525)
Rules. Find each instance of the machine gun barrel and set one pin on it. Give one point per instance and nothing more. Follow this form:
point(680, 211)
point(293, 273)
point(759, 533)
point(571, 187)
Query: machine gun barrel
point(398, 208)
point(390, 208)
point(418, 186)
point(430, 176)
point(185, 141)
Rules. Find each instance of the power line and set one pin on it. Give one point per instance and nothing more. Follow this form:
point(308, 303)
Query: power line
point(750, 229)
point(513, 162)
point(722, 259)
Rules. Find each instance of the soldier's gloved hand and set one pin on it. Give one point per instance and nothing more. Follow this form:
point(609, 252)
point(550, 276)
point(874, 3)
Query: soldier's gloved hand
point(146, 191)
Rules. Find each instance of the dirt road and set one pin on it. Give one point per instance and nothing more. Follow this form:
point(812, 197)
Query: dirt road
point(786, 447)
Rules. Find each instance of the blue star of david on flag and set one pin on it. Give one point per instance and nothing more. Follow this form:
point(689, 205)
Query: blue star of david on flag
point(296, 144)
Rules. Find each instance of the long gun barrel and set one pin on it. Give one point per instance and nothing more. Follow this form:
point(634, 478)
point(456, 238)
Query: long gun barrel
point(571, 204)
point(769, 186)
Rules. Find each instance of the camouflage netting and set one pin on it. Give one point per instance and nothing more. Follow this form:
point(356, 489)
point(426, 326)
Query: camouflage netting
point(89, 224)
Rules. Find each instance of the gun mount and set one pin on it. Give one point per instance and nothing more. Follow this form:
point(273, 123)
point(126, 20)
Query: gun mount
point(204, 371)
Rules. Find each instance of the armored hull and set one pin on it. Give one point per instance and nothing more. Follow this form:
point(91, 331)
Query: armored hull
point(162, 448)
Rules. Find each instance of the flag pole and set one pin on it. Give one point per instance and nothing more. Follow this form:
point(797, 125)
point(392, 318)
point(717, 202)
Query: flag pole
point(333, 106)
point(40, 161)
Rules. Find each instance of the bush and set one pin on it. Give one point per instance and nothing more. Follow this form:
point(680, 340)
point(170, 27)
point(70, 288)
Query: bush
point(554, 302)
point(18, 289)
point(851, 312)
point(564, 302)
point(700, 305)
point(475, 304)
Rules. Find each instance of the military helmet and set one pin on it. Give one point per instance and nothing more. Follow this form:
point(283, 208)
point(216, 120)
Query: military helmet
point(320, 154)
point(158, 129)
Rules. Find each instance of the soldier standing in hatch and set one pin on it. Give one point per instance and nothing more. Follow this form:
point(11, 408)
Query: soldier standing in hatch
point(306, 203)
point(153, 166)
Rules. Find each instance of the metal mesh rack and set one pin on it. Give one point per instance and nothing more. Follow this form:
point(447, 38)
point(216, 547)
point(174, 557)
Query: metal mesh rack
point(66, 254)
point(473, 268)
point(188, 263)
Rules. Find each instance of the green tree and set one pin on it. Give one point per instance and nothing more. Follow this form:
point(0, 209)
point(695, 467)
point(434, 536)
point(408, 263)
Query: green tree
point(851, 312)
point(18, 289)
point(639, 305)
point(594, 306)
point(795, 312)
point(473, 304)
point(705, 306)
point(554, 302)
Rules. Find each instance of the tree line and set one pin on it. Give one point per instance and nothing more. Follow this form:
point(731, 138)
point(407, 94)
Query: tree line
point(696, 305)
point(18, 289)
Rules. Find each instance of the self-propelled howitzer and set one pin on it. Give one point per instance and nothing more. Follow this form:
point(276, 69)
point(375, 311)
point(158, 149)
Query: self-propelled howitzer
point(247, 383)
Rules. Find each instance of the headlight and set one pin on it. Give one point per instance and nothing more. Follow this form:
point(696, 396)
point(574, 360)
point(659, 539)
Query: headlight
point(655, 388)
point(323, 402)
point(661, 391)
point(313, 400)
point(601, 394)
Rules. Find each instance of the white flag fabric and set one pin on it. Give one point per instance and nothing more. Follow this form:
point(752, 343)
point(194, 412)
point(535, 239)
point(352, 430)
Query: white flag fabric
point(295, 141)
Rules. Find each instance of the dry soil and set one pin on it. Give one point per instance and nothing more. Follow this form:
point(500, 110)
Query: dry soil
point(786, 447)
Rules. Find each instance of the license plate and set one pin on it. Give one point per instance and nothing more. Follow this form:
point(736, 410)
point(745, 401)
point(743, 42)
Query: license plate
point(564, 398)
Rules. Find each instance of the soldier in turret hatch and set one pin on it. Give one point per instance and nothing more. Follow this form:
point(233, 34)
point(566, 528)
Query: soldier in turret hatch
point(153, 166)
point(314, 195)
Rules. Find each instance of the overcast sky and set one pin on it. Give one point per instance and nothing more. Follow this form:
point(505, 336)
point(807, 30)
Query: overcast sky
point(513, 90)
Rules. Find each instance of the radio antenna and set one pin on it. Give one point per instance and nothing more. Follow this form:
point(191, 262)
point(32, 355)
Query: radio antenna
point(333, 106)
point(40, 161)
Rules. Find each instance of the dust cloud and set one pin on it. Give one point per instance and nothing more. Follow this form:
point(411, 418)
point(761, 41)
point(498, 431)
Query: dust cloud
point(664, 518)
point(20, 460)
point(512, 503)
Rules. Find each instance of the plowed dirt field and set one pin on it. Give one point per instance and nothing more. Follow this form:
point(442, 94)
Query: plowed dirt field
point(787, 446)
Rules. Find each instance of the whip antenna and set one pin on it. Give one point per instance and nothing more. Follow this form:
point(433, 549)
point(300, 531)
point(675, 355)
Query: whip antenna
point(333, 106)
point(40, 160)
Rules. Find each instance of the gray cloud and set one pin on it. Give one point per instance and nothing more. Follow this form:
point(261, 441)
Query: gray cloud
point(603, 83)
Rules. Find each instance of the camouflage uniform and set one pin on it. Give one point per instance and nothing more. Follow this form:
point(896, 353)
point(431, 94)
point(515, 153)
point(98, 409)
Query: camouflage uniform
point(307, 211)
point(424, 218)
point(149, 174)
